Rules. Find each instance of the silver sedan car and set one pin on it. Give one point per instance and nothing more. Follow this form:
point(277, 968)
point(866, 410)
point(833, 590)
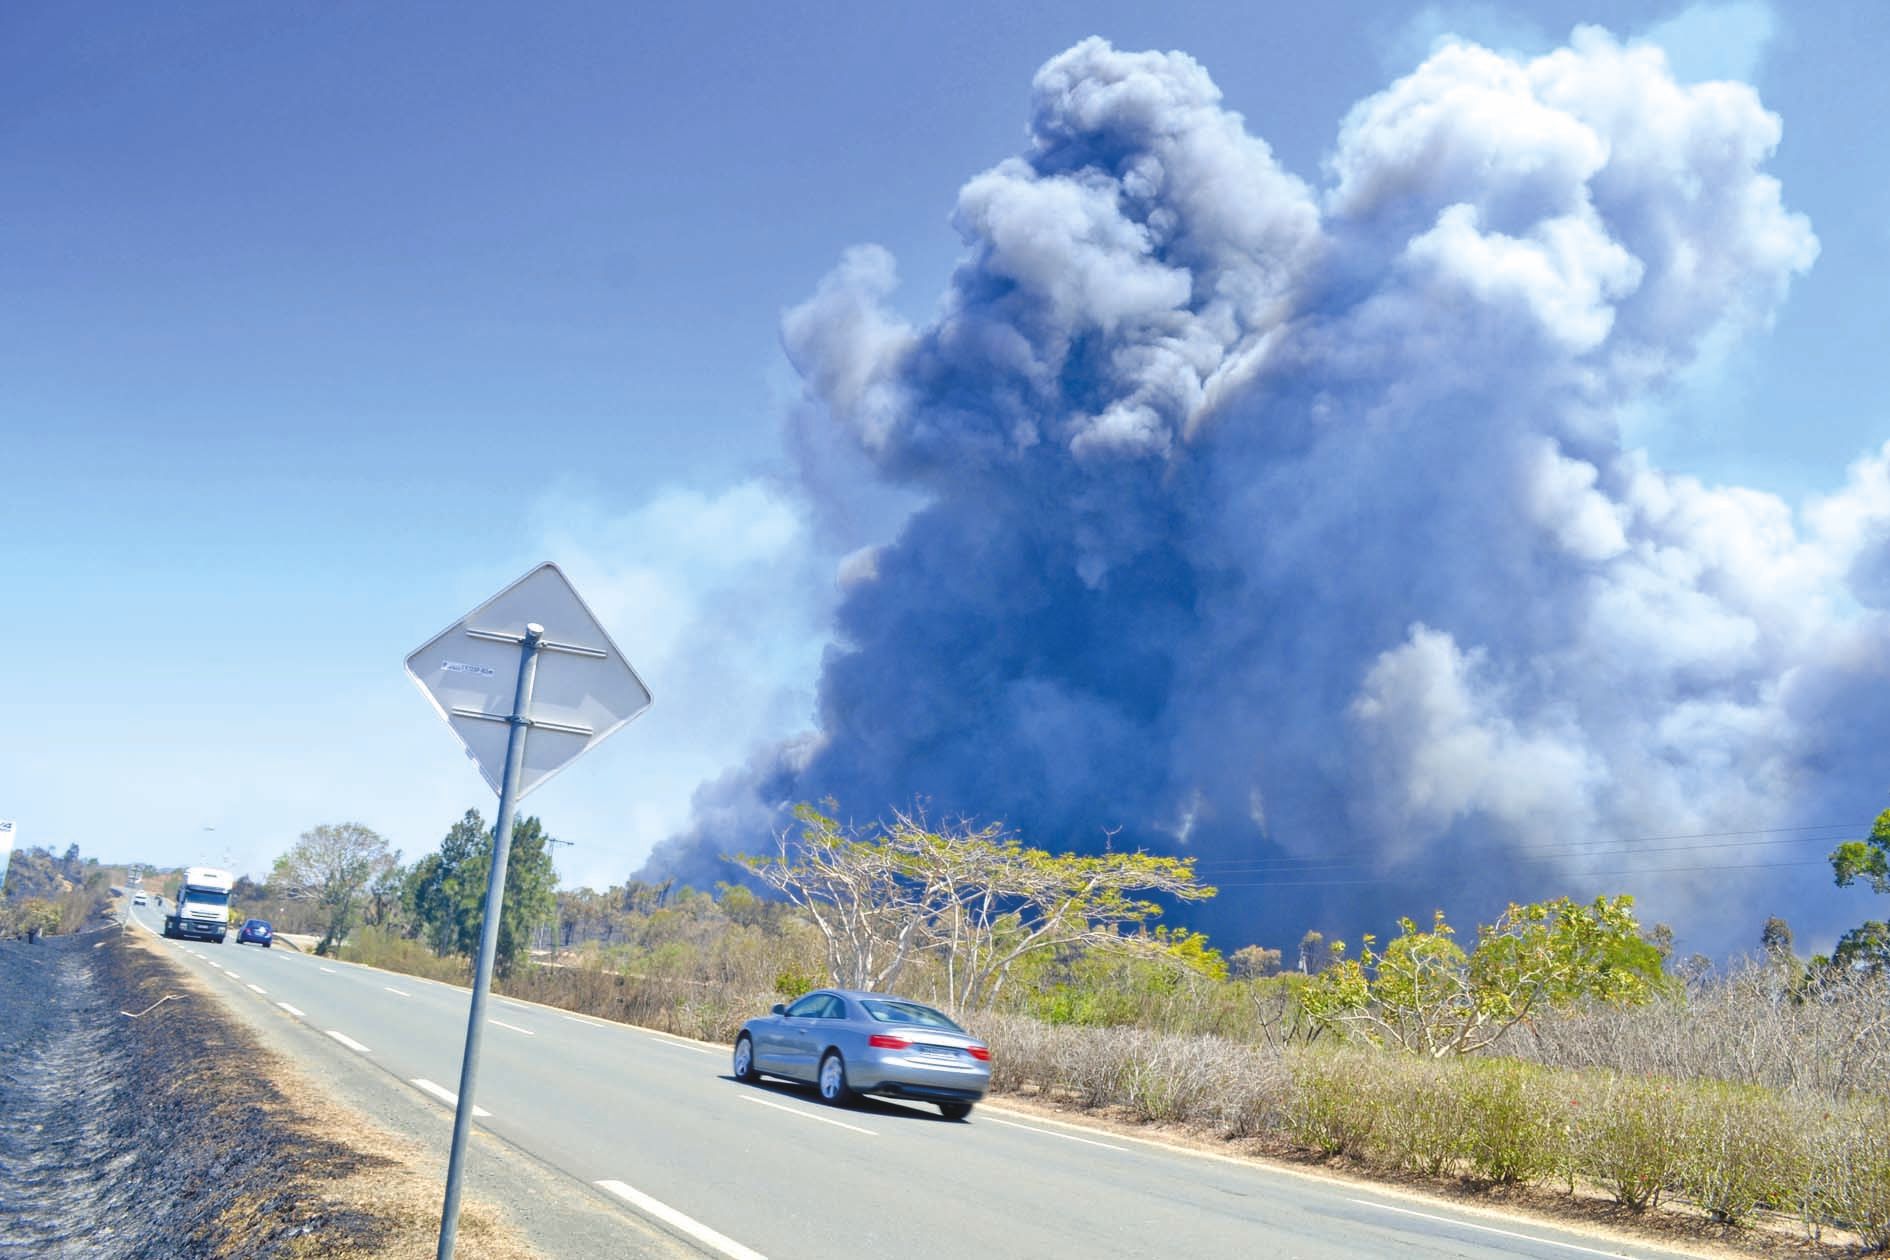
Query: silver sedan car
point(847, 1042)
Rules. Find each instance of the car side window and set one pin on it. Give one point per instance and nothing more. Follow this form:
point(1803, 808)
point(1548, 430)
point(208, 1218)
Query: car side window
point(835, 1009)
point(810, 1006)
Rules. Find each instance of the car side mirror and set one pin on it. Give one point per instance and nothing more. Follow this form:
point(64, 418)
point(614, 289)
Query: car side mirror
point(780, 1009)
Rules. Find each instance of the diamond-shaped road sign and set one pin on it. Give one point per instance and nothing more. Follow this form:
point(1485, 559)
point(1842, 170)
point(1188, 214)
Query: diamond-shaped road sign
point(584, 691)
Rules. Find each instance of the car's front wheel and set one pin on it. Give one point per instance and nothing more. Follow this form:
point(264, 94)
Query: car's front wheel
point(833, 1080)
point(745, 1060)
point(954, 1110)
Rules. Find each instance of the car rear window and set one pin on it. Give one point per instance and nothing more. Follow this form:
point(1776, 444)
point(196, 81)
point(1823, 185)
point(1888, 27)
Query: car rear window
point(908, 1013)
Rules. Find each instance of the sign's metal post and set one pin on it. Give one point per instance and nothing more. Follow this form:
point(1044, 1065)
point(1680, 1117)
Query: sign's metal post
point(573, 689)
point(489, 933)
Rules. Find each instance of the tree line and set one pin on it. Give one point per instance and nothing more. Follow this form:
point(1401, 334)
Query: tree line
point(347, 877)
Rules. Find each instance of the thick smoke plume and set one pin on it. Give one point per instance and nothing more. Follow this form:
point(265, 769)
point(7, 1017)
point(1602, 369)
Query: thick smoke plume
point(1290, 525)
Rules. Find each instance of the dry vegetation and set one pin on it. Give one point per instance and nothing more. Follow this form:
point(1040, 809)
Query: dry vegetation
point(1763, 1094)
point(305, 1192)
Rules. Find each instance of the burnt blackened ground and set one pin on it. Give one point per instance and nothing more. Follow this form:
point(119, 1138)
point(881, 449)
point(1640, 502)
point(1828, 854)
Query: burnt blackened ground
point(147, 1137)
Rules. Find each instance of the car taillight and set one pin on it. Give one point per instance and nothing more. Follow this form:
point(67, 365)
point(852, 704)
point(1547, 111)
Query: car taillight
point(981, 1053)
point(885, 1041)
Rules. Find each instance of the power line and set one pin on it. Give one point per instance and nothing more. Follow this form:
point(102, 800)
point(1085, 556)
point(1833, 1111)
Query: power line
point(1418, 877)
point(1573, 848)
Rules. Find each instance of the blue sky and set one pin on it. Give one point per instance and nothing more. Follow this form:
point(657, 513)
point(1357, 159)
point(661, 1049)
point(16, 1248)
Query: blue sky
point(317, 325)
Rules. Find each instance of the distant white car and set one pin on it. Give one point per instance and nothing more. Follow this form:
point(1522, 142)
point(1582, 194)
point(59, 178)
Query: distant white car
point(140, 900)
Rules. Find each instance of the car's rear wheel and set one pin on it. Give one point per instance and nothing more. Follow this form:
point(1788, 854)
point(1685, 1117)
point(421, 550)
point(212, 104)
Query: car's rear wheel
point(833, 1080)
point(745, 1061)
point(954, 1111)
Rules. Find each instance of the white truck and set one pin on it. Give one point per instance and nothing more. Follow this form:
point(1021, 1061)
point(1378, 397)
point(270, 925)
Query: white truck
point(202, 908)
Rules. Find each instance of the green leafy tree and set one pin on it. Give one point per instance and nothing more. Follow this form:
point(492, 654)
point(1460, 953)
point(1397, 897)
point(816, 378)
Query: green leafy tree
point(1865, 947)
point(1254, 962)
point(1424, 994)
point(385, 903)
point(447, 890)
point(1775, 938)
point(1867, 859)
point(333, 865)
point(431, 895)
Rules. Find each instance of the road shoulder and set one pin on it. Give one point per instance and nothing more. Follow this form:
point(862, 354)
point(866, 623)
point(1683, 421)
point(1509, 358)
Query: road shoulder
point(514, 1206)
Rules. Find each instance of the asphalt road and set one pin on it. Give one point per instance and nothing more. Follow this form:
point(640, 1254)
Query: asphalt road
point(654, 1123)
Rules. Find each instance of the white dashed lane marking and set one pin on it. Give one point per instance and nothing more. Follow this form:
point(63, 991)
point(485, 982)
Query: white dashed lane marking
point(514, 1027)
point(687, 1224)
point(446, 1095)
point(291, 1010)
point(349, 1042)
point(808, 1115)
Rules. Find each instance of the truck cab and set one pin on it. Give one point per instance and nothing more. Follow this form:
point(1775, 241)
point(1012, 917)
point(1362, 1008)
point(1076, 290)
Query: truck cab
point(202, 908)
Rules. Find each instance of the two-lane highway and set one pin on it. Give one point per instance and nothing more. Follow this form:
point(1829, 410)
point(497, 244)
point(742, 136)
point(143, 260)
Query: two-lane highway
point(656, 1123)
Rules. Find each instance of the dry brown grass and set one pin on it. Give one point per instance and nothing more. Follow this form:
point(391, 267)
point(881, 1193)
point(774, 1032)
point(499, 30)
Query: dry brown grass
point(352, 1189)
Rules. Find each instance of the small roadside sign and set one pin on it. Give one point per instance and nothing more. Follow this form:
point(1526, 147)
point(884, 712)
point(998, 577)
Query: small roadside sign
point(6, 848)
point(585, 689)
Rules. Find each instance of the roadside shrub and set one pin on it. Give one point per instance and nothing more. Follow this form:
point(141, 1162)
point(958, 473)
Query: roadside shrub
point(1326, 1108)
point(377, 947)
point(1416, 1122)
point(1511, 1119)
point(1634, 1139)
point(1851, 1168)
point(1740, 1150)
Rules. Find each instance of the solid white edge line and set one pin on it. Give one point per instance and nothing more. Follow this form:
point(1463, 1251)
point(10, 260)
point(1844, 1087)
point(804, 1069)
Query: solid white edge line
point(257, 988)
point(594, 1023)
point(349, 1042)
point(291, 1010)
point(447, 1096)
point(329, 970)
point(514, 1027)
point(687, 1224)
point(1491, 1229)
point(808, 1115)
point(1067, 1137)
point(396, 992)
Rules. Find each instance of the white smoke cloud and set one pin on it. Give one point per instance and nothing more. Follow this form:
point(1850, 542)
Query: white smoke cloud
point(721, 601)
point(1267, 520)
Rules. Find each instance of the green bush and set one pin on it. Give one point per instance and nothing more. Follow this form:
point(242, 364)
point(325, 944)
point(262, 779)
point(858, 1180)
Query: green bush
point(1326, 1109)
point(1512, 1120)
point(1852, 1171)
point(378, 947)
point(791, 982)
point(1741, 1151)
point(1634, 1139)
point(1417, 1122)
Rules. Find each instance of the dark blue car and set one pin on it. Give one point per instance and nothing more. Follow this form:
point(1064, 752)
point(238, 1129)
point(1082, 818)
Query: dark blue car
point(257, 930)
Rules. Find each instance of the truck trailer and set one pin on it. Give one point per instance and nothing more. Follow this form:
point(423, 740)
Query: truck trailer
point(202, 908)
